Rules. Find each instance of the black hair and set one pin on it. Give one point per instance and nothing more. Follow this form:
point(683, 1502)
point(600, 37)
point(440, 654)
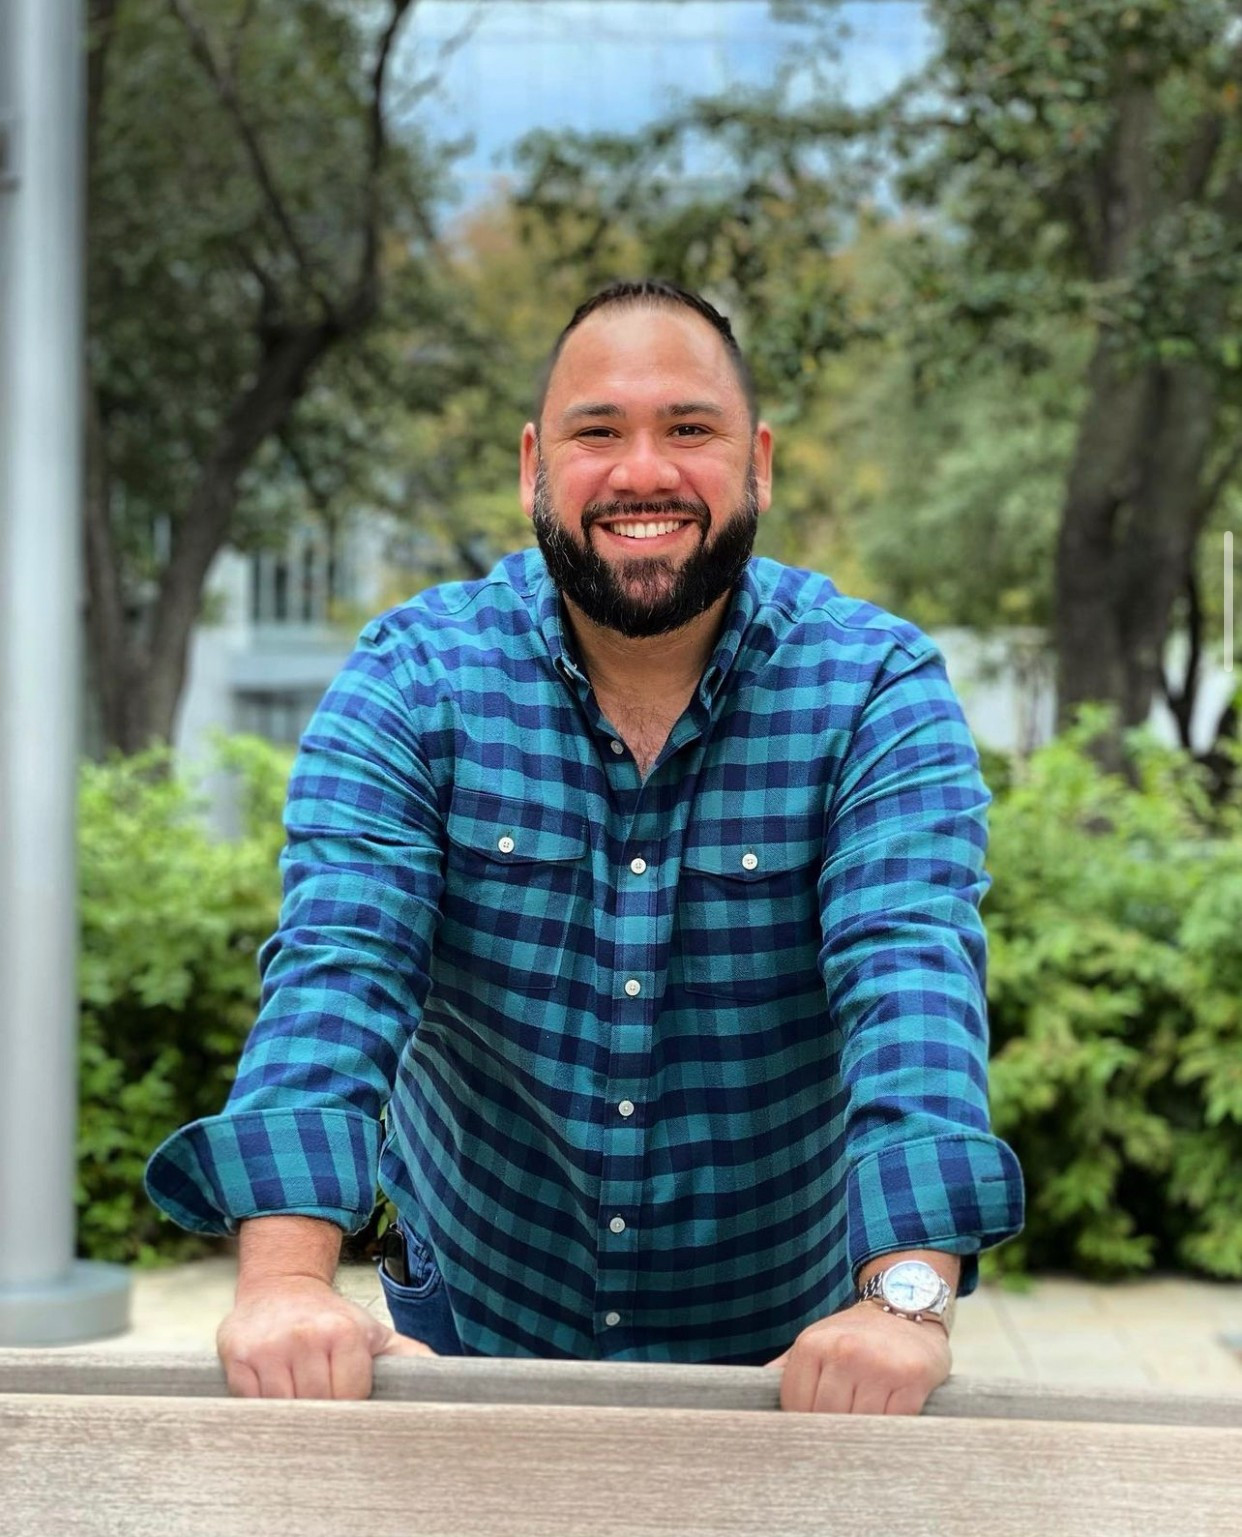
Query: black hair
point(652, 293)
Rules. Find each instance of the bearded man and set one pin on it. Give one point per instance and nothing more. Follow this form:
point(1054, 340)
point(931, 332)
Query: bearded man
point(631, 938)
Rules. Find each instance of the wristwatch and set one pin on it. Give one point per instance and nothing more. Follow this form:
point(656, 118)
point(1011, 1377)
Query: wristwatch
point(913, 1290)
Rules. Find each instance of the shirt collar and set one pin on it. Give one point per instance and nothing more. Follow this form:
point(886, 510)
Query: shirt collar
point(738, 615)
point(551, 621)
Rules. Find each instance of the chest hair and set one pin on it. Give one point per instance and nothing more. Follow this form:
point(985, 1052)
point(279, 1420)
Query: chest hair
point(643, 725)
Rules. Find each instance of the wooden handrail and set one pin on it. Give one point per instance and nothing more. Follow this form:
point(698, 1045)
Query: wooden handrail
point(601, 1384)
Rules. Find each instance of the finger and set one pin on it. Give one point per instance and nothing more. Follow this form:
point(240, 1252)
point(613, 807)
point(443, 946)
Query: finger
point(275, 1379)
point(243, 1380)
point(834, 1393)
point(800, 1381)
point(311, 1373)
point(402, 1345)
point(779, 1362)
point(870, 1397)
point(350, 1371)
point(835, 1381)
point(907, 1400)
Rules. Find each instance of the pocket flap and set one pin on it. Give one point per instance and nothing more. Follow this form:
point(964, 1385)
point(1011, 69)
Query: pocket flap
point(515, 832)
point(752, 854)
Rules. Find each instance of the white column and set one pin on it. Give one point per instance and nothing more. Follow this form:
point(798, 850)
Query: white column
point(46, 1296)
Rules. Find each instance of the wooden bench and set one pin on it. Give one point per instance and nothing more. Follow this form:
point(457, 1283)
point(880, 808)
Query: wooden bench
point(151, 1445)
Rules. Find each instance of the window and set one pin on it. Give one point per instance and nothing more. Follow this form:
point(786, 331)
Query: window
point(299, 584)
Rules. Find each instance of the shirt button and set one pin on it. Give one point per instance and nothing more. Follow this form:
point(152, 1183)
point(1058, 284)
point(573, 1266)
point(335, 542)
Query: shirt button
point(617, 1224)
point(626, 1107)
point(506, 845)
point(750, 861)
point(639, 866)
point(617, 747)
point(612, 1319)
point(633, 988)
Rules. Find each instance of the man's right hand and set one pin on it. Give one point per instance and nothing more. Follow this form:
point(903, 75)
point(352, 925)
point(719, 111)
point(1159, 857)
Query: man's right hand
point(294, 1337)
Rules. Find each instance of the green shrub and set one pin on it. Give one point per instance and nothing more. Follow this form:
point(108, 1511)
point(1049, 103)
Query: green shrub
point(171, 919)
point(1115, 993)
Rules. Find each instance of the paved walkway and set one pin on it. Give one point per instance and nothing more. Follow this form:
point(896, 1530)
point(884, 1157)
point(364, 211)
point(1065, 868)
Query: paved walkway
point(1163, 1332)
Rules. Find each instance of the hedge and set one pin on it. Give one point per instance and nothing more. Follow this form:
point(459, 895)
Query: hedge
point(171, 920)
point(1115, 999)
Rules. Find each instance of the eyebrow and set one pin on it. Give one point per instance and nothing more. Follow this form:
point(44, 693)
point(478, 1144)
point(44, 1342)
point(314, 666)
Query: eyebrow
point(601, 408)
point(609, 410)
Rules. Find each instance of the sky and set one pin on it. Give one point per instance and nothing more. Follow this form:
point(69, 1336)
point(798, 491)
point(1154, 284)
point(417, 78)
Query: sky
point(613, 65)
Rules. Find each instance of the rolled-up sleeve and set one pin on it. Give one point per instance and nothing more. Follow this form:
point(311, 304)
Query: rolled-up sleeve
point(344, 978)
point(904, 960)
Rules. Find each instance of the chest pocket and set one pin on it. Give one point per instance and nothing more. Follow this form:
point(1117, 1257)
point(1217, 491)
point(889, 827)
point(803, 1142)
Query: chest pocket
point(516, 876)
point(748, 917)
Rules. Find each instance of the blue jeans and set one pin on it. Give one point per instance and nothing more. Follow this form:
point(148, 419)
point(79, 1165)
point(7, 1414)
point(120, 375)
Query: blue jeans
point(420, 1309)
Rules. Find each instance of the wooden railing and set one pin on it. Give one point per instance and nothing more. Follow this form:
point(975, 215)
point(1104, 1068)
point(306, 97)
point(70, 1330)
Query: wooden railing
point(147, 1445)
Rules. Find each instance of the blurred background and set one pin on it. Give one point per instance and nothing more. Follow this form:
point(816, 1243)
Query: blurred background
point(986, 258)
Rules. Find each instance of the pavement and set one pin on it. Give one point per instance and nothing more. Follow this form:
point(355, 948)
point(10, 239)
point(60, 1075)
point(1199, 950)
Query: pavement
point(1166, 1331)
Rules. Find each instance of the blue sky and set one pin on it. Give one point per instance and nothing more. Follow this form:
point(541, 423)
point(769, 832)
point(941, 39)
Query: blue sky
point(612, 65)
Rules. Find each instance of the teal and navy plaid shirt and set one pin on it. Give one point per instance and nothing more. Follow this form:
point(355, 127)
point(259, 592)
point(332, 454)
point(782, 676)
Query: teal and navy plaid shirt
point(664, 1061)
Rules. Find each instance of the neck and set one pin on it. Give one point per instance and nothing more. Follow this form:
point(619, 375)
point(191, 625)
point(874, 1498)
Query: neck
point(657, 666)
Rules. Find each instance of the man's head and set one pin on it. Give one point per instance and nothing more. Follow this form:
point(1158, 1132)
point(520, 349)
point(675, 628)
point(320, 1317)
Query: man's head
point(646, 468)
point(654, 293)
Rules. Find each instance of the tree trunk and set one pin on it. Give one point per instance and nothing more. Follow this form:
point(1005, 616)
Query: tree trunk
point(142, 709)
point(1133, 512)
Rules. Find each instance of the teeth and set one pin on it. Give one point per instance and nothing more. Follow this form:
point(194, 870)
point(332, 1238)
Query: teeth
point(644, 530)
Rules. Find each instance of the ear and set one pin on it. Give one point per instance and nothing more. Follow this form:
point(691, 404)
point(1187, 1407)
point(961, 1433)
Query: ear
point(761, 458)
point(529, 465)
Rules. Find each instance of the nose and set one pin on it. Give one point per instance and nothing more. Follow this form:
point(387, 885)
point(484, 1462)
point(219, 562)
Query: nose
point(644, 468)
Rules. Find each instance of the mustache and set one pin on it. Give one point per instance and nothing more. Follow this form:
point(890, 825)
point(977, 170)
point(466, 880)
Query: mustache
point(594, 512)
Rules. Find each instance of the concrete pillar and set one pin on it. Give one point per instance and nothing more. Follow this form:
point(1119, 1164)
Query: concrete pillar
point(46, 1296)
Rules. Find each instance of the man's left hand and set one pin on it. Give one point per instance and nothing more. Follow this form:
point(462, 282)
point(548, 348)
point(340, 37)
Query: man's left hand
point(864, 1361)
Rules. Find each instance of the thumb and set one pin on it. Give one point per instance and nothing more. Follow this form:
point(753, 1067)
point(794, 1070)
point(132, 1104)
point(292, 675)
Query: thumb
point(780, 1360)
point(401, 1345)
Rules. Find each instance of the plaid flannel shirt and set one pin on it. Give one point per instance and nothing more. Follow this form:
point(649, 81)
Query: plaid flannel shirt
point(652, 1067)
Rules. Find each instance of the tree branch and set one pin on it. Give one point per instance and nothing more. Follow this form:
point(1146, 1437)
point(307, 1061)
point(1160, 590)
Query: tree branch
point(239, 35)
point(1209, 135)
point(1216, 486)
point(377, 144)
point(226, 89)
point(1200, 157)
point(320, 500)
point(420, 89)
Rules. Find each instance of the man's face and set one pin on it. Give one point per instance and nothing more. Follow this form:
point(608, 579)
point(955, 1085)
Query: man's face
point(646, 482)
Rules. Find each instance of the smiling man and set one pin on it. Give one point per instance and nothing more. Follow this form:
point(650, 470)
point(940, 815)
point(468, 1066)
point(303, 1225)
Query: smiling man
point(636, 888)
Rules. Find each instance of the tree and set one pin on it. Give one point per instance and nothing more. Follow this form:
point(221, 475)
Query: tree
point(250, 218)
point(1091, 156)
point(1077, 171)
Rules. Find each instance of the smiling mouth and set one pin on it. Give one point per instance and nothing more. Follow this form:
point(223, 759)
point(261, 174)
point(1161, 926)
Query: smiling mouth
point(645, 528)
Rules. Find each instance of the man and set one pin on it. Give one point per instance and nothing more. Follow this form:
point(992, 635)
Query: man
point(639, 882)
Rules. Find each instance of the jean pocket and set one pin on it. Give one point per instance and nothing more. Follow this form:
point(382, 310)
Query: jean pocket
point(420, 1308)
point(422, 1273)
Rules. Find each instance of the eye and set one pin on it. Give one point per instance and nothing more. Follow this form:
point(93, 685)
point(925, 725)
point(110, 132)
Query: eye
point(597, 432)
point(690, 430)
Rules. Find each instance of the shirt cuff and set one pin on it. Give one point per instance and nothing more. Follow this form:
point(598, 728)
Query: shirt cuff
point(218, 1171)
point(959, 1193)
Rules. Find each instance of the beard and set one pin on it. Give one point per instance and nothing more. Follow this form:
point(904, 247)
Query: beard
point(649, 595)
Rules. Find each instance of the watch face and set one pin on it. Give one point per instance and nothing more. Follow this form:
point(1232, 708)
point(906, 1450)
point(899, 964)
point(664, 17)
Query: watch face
point(911, 1286)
